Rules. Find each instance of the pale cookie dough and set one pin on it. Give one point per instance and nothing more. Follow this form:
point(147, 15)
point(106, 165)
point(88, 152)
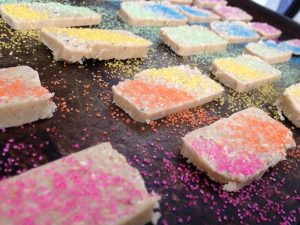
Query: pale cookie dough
point(290, 104)
point(209, 4)
point(237, 150)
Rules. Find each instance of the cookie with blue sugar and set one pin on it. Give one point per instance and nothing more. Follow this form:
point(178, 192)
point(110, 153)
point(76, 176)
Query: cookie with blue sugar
point(244, 73)
point(197, 15)
point(235, 31)
point(269, 51)
point(27, 16)
point(151, 14)
point(190, 40)
point(292, 45)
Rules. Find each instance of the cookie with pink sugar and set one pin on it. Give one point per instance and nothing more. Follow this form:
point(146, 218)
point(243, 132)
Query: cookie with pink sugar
point(267, 31)
point(209, 4)
point(93, 186)
point(238, 150)
point(231, 13)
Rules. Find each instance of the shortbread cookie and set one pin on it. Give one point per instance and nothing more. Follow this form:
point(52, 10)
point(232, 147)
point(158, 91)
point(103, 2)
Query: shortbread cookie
point(156, 93)
point(182, 2)
point(267, 31)
point(75, 44)
point(22, 97)
point(196, 15)
point(292, 45)
point(151, 14)
point(191, 40)
point(235, 32)
point(93, 186)
point(26, 16)
point(209, 4)
point(290, 104)
point(237, 150)
point(268, 51)
point(244, 72)
point(231, 13)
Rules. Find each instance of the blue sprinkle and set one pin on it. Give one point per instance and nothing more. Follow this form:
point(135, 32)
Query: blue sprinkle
point(239, 30)
point(293, 48)
point(271, 44)
point(166, 11)
point(193, 11)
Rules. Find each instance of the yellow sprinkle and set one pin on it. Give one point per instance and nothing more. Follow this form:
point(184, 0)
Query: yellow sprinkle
point(241, 71)
point(24, 12)
point(99, 35)
point(181, 77)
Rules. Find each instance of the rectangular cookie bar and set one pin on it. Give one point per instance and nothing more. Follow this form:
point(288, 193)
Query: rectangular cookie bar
point(151, 14)
point(235, 32)
point(290, 104)
point(230, 13)
point(190, 40)
point(156, 93)
point(209, 4)
point(244, 72)
point(268, 51)
point(93, 186)
point(75, 44)
point(267, 31)
point(196, 15)
point(27, 16)
point(237, 150)
point(22, 97)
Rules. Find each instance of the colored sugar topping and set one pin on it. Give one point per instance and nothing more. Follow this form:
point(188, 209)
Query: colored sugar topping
point(99, 35)
point(241, 71)
point(264, 28)
point(81, 193)
point(193, 35)
point(234, 29)
point(152, 10)
point(295, 91)
point(268, 48)
point(226, 160)
point(24, 12)
point(194, 11)
point(292, 45)
point(150, 97)
point(232, 12)
point(182, 78)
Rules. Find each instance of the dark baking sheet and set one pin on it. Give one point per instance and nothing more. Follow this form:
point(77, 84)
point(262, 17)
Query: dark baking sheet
point(86, 116)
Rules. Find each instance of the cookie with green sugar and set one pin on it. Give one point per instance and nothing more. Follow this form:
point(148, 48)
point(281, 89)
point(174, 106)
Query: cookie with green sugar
point(268, 51)
point(28, 16)
point(244, 72)
point(151, 14)
point(190, 40)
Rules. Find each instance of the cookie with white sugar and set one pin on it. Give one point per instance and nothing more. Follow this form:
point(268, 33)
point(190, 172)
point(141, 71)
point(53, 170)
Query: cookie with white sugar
point(244, 72)
point(267, 31)
point(22, 97)
point(290, 104)
point(27, 16)
point(238, 150)
point(268, 51)
point(151, 14)
point(156, 93)
point(197, 15)
point(209, 4)
point(191, 40)
point(76, 44)
point(292, 45)
point(230, 13)
point(235, 32)
point(93, 186)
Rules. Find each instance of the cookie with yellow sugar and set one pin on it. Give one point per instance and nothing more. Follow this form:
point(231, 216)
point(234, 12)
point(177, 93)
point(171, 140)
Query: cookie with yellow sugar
point(28, 16)
point(22, 97)
point(290, 104)
point(244, 72)
point(76, 44)
point(239, 149)
point(156, 93)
